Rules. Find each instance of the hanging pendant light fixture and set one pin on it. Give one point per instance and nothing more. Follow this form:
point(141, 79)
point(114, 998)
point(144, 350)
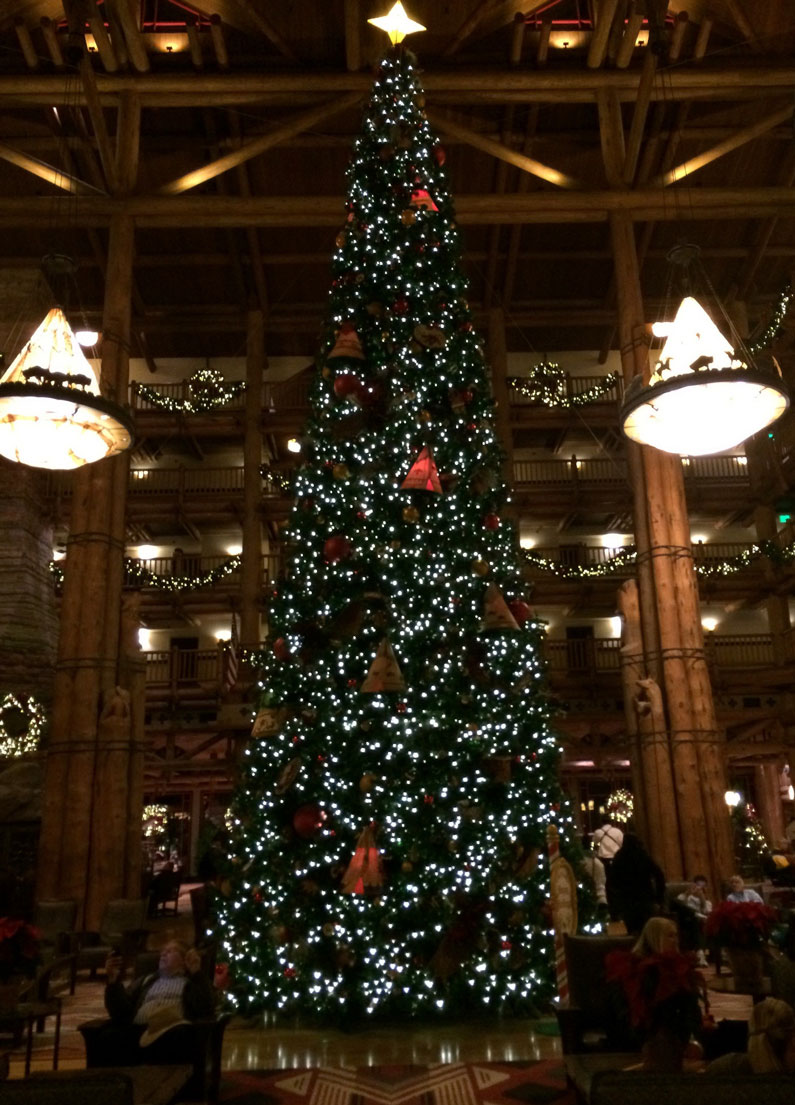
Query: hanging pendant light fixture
point(704, 395)
point(52, 413)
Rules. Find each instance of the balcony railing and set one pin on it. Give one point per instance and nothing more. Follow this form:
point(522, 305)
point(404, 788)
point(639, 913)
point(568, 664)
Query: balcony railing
point(575, 385)
point(189, 668)
point(180, 392)
point(186, 564)
point(595, 556)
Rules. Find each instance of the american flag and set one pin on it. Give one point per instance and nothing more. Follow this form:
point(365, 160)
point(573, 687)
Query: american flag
point(230, 658)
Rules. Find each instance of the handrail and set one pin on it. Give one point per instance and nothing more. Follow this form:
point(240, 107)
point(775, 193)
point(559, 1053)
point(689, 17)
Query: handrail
point(178, 392)
point(575, 385)
point(187, 667)
point(579, 471)
point(587, 556)
point(194, 565)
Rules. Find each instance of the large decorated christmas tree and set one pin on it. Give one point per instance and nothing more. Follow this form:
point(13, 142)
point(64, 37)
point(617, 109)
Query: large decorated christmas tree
point(390, 849)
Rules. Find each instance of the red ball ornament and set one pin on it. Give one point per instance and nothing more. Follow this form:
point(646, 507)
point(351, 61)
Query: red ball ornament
point(428, 799)
point(289, 972)
point(336, 548)
point(281, 650)
point(401, 707)
point(308, 820)
point(492, 521)
point(439, 154)
point(401, 306)
point(346, 384)
point(520, 610)
point(467, 395)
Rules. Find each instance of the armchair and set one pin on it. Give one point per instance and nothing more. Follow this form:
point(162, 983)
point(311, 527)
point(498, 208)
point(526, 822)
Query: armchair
point(56, 922)
point(588, 1023)
point(208, 1038)
point(122, 927)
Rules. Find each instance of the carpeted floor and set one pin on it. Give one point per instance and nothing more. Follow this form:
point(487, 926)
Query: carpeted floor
point(541, 1083)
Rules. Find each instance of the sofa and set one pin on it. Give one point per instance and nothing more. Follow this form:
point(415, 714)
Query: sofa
point(638, 1088)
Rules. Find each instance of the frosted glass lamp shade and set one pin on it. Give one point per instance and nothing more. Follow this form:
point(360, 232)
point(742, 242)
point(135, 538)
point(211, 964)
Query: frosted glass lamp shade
point(701, 398)
point(52, 414)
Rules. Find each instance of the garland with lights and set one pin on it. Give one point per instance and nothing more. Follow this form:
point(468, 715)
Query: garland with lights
point(609, 567)
point(136, 574)
point(23, 740)
point(730, 565)
point(770, 332)
point(547, 384)
point(278, 479)
point(620, 805)
point(208, 391)
point(388, 843)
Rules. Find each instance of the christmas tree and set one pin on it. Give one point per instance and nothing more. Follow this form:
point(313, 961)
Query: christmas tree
point(390, 821)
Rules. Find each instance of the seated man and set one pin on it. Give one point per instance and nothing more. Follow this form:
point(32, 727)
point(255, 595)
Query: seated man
point(150, 1020)
point(740, 892)
point(693, 908)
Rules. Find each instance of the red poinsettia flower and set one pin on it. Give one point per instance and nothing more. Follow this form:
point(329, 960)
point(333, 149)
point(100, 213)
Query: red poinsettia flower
point(19, 948)
point(740, 924)
point(650, 982)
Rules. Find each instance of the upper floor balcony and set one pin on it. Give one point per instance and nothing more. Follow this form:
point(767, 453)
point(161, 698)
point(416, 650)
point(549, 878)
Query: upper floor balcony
point(544, 487)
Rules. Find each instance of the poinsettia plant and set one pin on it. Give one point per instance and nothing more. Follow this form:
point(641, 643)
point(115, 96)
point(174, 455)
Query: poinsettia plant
point(740, 924)
point(661, 990)
point(19, 948)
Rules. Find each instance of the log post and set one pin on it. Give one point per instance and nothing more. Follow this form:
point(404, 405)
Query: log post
point(498, 359)
point(251, 571)
point(693, 832)
point(768, 793)
point(777, 597)
point(89, 847)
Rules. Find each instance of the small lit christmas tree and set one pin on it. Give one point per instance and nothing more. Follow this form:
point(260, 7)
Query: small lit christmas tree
point(390, 823)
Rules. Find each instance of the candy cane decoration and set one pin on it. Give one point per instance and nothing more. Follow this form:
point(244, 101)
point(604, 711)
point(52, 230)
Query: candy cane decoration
point(563, 891)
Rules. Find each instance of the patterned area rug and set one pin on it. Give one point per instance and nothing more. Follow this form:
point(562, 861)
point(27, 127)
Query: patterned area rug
point(542, 1083)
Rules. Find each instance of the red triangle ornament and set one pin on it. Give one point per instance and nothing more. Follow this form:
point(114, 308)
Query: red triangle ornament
point(420, 197)
point(423, 476)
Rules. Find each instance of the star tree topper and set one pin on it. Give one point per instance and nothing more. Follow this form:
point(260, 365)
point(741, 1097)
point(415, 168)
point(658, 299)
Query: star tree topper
point(397, 24)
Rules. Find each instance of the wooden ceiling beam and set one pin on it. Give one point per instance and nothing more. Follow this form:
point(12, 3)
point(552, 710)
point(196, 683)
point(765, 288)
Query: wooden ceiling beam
point(59, 177)
point(740, 138)
point(229, 161)
point(165, 212)
point(718, 82)
point(527, 164)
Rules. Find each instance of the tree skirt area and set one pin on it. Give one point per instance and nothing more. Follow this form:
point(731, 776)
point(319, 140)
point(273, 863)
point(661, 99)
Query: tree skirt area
point(542, 1082)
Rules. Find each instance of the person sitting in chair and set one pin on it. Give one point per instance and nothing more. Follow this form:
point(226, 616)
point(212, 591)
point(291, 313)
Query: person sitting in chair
point(740, 892)
point(150, 1019)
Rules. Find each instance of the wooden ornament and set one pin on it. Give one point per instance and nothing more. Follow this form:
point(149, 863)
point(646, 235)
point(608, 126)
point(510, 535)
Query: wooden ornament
point(411, 514)
point(269, 721)
point(384, 675)
point(496, 615)
point(347, 345)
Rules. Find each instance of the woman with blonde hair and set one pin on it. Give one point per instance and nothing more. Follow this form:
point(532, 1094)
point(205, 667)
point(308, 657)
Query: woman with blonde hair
point(771, 1042)
point(661, 990)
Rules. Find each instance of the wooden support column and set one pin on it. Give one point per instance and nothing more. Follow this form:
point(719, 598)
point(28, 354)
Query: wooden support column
point(498, 359)
point(90, 835)
point(768, 796)
point(776, 601)
point(251, 571)
point(693, 833)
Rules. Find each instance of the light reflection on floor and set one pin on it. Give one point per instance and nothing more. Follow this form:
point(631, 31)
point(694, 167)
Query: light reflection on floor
point(260, 1047)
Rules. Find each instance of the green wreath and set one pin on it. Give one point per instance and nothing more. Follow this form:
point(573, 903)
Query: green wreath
point(22, 721)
